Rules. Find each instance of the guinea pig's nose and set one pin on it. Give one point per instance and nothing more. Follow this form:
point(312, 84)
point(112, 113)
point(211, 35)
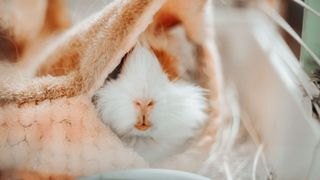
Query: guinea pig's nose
point(147, 104)
point(144, 108)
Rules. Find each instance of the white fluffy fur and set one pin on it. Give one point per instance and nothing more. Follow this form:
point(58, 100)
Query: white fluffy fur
point(178, 114)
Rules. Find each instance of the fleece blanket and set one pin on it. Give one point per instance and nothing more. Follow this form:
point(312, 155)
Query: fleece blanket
point(48, 124)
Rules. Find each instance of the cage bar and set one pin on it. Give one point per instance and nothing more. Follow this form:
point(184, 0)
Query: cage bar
point(311, 36)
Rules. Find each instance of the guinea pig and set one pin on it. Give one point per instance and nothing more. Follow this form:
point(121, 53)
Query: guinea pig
point(149, 112)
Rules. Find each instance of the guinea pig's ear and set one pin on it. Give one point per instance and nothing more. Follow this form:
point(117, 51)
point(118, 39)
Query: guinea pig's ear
point(190, 15)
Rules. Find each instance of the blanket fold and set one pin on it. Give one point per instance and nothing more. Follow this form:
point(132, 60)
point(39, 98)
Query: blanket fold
point(48, 124)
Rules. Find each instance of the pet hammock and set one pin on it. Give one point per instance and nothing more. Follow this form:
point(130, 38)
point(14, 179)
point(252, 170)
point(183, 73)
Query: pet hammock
point(48, 124)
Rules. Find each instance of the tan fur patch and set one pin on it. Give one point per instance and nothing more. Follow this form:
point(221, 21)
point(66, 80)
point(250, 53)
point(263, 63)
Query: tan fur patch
point(168, 62)
point(165, 20)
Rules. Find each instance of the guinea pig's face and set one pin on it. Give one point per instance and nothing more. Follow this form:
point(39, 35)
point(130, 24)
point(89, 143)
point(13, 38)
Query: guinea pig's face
point(144, 102)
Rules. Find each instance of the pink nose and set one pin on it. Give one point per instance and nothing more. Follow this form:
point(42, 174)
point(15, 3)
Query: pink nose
point(144, 108)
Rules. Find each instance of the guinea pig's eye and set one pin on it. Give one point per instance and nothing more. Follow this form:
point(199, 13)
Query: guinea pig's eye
point(115, 73)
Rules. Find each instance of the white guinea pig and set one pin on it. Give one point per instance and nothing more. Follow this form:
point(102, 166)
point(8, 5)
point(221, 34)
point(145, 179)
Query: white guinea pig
point(151, 114)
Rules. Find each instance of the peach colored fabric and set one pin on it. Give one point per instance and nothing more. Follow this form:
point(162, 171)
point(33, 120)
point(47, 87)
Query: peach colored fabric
point(48, 124)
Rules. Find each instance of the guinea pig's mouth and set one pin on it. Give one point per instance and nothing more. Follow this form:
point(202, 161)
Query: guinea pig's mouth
point(136, 133)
